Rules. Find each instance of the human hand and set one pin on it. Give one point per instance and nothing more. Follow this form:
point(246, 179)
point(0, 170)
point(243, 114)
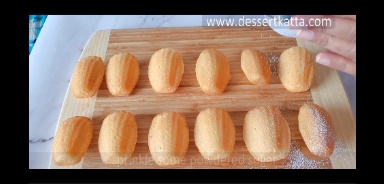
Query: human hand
point(340, 41)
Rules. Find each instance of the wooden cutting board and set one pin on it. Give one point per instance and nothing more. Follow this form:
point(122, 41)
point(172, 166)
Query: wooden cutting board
point(239, 97)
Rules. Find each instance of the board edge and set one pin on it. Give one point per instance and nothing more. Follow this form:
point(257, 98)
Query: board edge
point(99, 38)
point(330, 97)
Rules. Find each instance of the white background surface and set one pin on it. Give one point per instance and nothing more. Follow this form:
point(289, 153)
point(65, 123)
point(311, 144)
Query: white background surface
point(53, 60)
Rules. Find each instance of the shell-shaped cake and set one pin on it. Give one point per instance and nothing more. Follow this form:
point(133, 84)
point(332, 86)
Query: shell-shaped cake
point(214, 133)
point(168, 138)
point(117, 137)
point(266, 134)
point(87, 77)
point(122, 74)
point(72, 140)
point(255, 66)
point(316, 128)
point(296, 69)
point(165, 70)
point(212, 71)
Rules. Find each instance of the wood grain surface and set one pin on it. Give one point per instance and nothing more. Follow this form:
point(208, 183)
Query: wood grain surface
point(239, 97)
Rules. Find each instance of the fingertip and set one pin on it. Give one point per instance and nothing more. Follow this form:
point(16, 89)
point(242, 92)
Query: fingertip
point(298, 32)
point(305, 34)
point(318, 56)
point(323, 59)
point(337, 62)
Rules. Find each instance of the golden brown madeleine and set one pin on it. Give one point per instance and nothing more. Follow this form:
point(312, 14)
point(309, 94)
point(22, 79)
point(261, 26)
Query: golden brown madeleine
point(87, 77)
point(122, 74)
point(117, 138)
point(316, 128)
point(266, 134)
point(255, 66)
point(296, 69)
point(165, 70)
point(168, 138)
point(214, 133)
point(212, 71)
point(71, 141)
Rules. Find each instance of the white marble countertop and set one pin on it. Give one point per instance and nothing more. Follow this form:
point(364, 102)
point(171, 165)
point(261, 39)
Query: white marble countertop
point(54, 57)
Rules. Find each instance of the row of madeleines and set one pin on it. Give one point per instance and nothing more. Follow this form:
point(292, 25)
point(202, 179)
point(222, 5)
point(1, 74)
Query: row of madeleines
point(265, 132)
point(166, 68)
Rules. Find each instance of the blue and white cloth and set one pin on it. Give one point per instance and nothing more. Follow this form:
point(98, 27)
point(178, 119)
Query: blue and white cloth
point(36, 22)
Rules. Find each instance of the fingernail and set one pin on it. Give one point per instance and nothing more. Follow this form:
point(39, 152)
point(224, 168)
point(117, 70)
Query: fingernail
point(307, 35)
point(324, 60)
